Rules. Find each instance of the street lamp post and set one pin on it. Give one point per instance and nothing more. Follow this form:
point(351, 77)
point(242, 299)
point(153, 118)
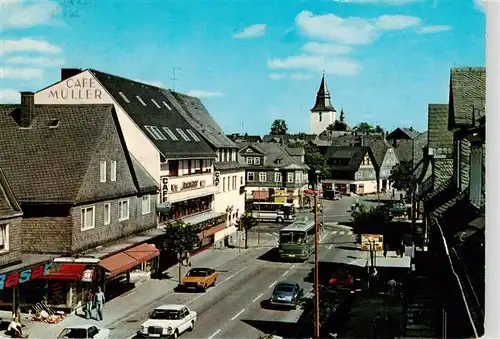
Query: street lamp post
point(316, 256)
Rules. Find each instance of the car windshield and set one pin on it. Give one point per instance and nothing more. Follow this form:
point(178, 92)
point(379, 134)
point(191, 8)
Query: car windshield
point(73, 333)
point(197, 273)
point(284, 288)
point(165, 315)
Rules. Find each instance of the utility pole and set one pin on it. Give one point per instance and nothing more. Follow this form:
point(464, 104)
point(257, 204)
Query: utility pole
point(173, 78)
point(316, 258)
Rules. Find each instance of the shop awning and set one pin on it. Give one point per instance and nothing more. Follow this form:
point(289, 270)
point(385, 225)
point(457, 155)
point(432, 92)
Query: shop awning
point(66, 272)
point(260, 195)
point(128, 259)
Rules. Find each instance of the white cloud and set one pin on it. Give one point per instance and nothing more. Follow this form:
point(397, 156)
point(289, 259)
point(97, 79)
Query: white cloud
point(277, 76)
point(300, 76)
point(28, 45)
point(152, 82)
point(480, 5)
point(329, 64)
point(39, 61)
point(20, 73)
point(9, 96)
point(433, 29)
point(396, 22)
point(17, 14)
point(350, 30)
point(252, 31)
point(204, 94)
point(322, 48)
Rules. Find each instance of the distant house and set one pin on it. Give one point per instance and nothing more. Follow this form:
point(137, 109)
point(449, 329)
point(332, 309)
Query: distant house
point(271, 167)
point(401, 133)
point(287, 139)
point(353, 169)
point(236, 137)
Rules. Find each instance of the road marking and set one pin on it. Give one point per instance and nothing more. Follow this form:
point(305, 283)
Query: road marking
point(274, 233)
point(330, 247)
point(215, 333)
point(274, 283)
point(293, 266)
point(238, 314)
point(334, 232)
point(222, 282)
point(257, 298)
point(285, 273)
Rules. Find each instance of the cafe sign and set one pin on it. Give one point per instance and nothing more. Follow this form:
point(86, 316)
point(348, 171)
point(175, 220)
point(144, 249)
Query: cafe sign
point(190, 184)
point(164, 189)
point(211, 222)
point(13, 279)
point(76, 89)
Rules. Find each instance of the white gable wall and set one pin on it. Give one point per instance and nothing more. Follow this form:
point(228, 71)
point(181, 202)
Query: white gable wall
point(84, 88)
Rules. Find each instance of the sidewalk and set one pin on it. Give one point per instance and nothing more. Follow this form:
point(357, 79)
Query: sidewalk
point(144, 294)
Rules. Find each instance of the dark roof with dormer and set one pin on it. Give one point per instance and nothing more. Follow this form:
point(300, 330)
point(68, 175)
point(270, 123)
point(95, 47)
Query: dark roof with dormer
point(275, 156)
point(197, 115)
point(354, 155)
point(144, 112)
point(323, 103)
point(467, 89)
point(9, 207)
point(46, 164)
point(402, 133)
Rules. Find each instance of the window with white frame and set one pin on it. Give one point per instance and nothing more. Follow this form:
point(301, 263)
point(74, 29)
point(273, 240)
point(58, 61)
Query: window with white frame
point(4, 238)
point(123, 208)
point(102, 171)
point(193, 135)
point(262, 176)
point(250, 176)
point(289, 177)
point(278, 177)
point(113, 171)
point(249, 161)
point(256, 161)
point(170, 133)
point(224, 184)
point(124, 97)
point(167, 105)
point(298, 177)
point(88, 218)
point(146, 204)
point(155, 132)
point(107, 214)
point(241, 180)
point(156, 104)
point(140, 100)
point(183, 135)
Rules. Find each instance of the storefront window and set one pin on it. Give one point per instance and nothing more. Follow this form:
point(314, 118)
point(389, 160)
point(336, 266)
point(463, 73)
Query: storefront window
point(189, 207)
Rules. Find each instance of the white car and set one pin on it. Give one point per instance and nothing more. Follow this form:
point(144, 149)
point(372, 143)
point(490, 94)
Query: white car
point(168, 321)
point(84, 332)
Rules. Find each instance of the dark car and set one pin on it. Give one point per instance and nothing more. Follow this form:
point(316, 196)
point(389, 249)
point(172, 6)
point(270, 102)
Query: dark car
point(341, 279)
point(287, 294)
point(331, 194)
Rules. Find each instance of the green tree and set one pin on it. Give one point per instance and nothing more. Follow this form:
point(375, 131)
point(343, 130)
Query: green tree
point(364, 127)
point(263, 335)
point(378, 129)
point(278, 127)
point(180, 238)
point(370, 220)
point(337, 126)
point(316, 161)
point(402, 178)
point(247, 222)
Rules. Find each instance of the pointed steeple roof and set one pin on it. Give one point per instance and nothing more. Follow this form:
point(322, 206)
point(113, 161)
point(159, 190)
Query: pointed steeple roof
point(323, 102)
point(342, 115)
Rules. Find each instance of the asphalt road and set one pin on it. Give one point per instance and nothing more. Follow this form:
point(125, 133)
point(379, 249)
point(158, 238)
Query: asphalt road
point(233, 309)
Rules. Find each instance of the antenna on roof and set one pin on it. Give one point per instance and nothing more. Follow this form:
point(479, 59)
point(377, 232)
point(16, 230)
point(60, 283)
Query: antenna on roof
point(173, 78)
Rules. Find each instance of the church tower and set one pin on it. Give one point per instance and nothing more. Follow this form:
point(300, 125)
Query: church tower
point(323, 113)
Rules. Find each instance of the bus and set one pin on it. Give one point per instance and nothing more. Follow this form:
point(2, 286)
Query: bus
point(297, 240)
point(273, 211)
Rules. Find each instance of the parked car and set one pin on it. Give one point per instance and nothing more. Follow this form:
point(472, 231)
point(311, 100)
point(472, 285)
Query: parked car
point(199, 279)
point(331, 194)
point(341, 279)
point(287, 294)
point(168, 321)
point(84, 332)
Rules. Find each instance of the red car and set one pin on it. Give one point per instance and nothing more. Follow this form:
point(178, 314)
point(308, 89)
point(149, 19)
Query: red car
point(341, 279)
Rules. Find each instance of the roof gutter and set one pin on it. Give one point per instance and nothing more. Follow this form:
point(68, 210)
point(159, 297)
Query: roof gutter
point(445, 244)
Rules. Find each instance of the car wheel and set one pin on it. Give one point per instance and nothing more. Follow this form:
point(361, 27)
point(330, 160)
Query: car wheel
point(191, 328)
point(215, 280)
point(176, 334)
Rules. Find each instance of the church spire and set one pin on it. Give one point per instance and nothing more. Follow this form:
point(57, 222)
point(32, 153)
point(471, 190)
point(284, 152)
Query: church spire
point(342, 116)
point(323, 103)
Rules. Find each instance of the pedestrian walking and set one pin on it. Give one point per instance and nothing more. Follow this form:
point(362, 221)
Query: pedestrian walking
point(89, 304)
point(99, 302)
point(188, 259)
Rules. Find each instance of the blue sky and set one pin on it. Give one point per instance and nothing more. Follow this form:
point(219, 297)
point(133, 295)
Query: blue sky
point(254, 61)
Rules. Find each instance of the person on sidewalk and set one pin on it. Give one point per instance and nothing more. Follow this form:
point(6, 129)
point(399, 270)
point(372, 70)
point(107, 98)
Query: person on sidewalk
point(188, 259)
point(89, 304)
point(15, 329)
point(99, 302)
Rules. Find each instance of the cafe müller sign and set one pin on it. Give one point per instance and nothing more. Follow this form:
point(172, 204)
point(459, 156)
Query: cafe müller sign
point(12, 279)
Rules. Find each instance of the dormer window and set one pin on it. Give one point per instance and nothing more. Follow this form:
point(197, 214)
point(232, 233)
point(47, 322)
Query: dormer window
point(54, 123)
point(140, 100)
point(170, 133)
point(154, 102)
point(256, 161)
point(167, 105)
point(278, 161)
point(155, 132)
point(124, 97)
point(249, 161)
point(194, 136)
point(183, 135)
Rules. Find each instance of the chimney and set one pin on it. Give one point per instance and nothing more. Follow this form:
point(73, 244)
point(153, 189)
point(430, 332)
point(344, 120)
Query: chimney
point(27, 108)
point(69, 72)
